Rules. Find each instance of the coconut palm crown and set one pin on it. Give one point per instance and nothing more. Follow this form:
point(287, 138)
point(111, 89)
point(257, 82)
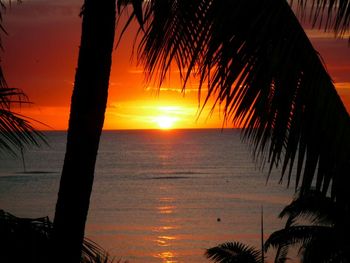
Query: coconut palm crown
point(254, 58)
point(233, 252)
point(317, 225)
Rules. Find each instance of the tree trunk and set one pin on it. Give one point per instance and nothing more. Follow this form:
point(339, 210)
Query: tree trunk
point(88, 107)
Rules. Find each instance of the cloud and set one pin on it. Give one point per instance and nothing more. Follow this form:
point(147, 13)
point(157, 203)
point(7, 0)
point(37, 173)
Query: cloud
point(320, 34)
point(342, 85)
point(191, 87)
point(45, 9)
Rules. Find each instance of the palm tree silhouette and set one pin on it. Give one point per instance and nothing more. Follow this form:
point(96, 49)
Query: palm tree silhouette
point(232, 252)
point(324, 240)
point(255, 59)
point(86, 119)
point(29, 239)
point(253, 56)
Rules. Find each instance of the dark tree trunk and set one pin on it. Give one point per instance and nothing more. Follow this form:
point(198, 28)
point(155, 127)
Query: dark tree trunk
point(85, 125)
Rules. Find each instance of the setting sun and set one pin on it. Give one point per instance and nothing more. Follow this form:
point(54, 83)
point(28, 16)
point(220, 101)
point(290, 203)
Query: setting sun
point(165, 122)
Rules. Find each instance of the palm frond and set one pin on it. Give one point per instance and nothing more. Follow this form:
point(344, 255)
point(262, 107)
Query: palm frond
point(328, 14)
point(322, 251)
point(16, 131)
point(281, 254)
point(94, 253)
point(24, 240)
point(254, 58)
point(29, 240)
point(315, 243)
point(315, 206)
point(137, 8)
point(325, 240)
point(302, 236)
point(233, 252)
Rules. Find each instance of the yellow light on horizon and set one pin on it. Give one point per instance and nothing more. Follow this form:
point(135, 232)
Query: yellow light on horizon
point(164, 115)
point(165, 122)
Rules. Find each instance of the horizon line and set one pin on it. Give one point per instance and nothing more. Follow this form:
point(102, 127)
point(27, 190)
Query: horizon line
point(146, 129)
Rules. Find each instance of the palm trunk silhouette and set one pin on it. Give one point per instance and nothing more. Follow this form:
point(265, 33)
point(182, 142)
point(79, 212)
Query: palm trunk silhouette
point(88, 105)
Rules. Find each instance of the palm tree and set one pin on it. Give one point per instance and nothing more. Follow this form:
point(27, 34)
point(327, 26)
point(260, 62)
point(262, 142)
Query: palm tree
point(255, 59)
point(88, 106)
point(28, 240)
point(332, 15)
point(86, 121)
point(245, 55)
point(326, 239)
point(234, 252)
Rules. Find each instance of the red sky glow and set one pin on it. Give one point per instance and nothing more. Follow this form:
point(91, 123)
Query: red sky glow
point(40, 56)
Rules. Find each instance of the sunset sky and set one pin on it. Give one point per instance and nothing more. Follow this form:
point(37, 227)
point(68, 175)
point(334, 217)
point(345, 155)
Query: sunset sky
point(40, 56)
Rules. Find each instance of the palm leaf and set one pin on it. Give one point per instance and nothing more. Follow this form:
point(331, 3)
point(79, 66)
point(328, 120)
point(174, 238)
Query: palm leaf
point(233, 252)
point(24, 240)
point(94, 253)
point(281, 254)
point(323, 251)
point(316, 244)
point(254, 58)
point(329, 14)
point(315, 206)
point(29, 240)
point(326, 240)
point(16, 132)
point(302, 236)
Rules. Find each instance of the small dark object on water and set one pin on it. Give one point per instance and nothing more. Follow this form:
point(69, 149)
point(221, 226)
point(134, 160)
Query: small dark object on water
point(218, 219)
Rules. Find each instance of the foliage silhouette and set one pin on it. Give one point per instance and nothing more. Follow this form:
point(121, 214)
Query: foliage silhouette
point(29, 240)
point(328, 14)
point(254, 58)
point(326, 239)
point(16, 131)
point(86, 119)
point(257, 62)
point(233, 252)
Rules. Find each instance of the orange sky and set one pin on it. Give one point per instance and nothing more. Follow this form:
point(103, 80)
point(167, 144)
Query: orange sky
point(40, 58)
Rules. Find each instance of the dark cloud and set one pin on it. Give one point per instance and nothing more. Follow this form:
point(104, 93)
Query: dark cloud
point(40, 9)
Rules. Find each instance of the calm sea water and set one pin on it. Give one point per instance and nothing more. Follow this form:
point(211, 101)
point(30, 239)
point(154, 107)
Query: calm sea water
point(158, 196)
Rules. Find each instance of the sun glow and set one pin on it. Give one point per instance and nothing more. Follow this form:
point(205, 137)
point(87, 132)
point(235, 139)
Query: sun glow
point(161, 115)
point(165, 122)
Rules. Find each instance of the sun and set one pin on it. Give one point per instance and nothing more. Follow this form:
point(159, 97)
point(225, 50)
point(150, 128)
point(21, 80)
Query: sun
point(165, 122)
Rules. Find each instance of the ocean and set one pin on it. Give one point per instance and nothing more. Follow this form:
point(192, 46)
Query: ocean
point(158, 196)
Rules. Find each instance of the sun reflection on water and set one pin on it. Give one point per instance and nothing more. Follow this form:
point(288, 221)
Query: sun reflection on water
point(166, 199)
point(165, 237)
point(164, 228)
point(164, 241)
point(167, 257)
point(168, 209)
